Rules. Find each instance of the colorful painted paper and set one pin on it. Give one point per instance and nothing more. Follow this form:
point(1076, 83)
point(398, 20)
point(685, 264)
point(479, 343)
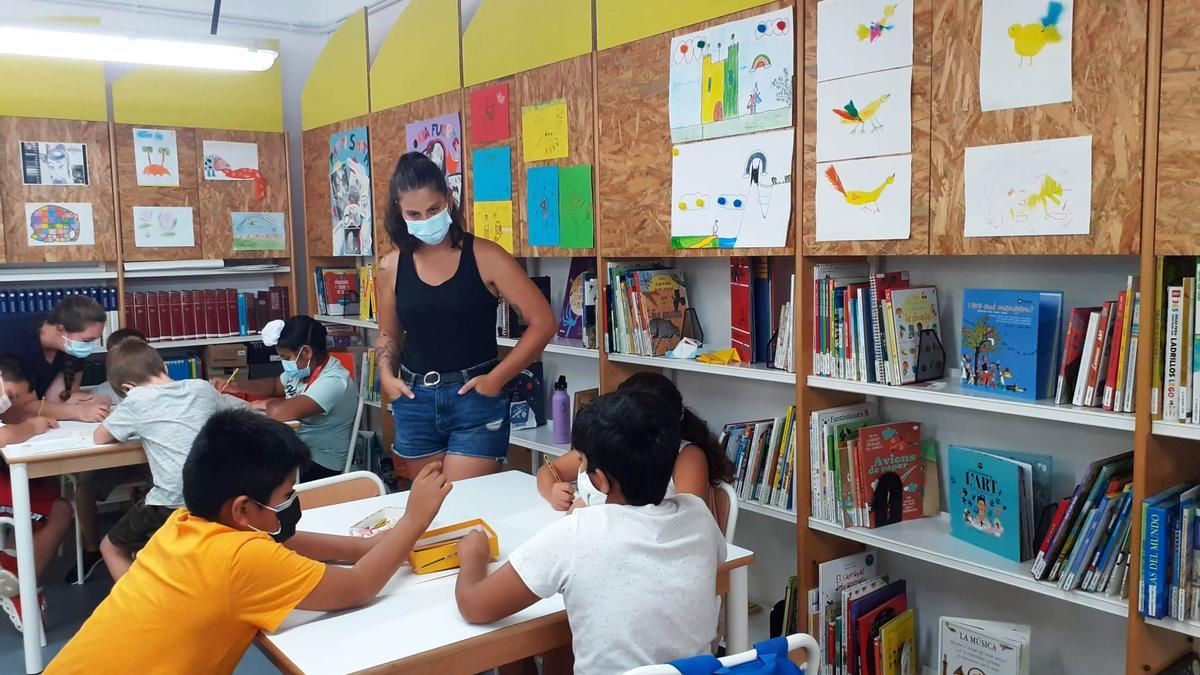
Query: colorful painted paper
point(494, 222)
point(732, 192)
point(733, 78)
point(156, 157)
point(541, 205)
point(350, 192)
point(489, 114)
point(440, 139)
point(53, 163)
point(863, 36)
point(577, 226)
point(62, 224)
point(258, 231)
point(865, 115)
point(227, 160)
point(864, 199)
point(492, 174)
point(1025, 53)
point(1026, 189)
point(544, 133)
point(163, 227)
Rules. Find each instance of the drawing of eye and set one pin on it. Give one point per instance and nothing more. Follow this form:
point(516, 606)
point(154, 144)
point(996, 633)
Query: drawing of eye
point(731, 202)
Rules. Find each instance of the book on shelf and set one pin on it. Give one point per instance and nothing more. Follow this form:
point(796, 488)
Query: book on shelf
point(189, 368)
point(759, 290)
point(996, 497)
point(740, 320)
point(1163, 573)
point(509, 323)
point(1010, 341)
point(889, 475)
point(590, 300)
point(647, 307)
point(526, 395)
point(1169, 271)
point(367, 295)
point(571, 315)
point(763, 453)
point(825, 481)
point(41, 300)
point(833, 579)
point(896, 646)
point(338, 291)
point(977, 646)
point(197, 314)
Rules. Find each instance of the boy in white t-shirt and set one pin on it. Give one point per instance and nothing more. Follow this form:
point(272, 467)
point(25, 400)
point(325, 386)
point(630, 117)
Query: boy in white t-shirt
point(637, 571)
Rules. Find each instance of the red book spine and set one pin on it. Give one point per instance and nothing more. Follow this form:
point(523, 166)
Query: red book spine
point(1114, 354)
point(175, 302)
point(188, 310)
point(154, 327)
point(251, 316)
point(210, 313)
point(739, 307)
point(287, 302)
point(276, 297)
point(141, 318)
point(231, 312)
point(222, 313)
point(198, 313)
point(128, 319)
point(262, 308)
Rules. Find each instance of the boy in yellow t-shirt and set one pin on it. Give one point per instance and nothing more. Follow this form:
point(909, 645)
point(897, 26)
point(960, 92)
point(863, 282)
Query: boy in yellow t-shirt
point(216, 573)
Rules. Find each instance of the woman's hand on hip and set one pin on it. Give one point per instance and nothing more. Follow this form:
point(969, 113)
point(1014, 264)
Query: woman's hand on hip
point(394, 387)
point(484, 384)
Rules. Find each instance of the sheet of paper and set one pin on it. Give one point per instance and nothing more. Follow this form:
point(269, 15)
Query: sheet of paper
point(577, 227)
point(544, 133)
point(733, 78)
point(258, 231)
point(163, 226)
point(350, 191)
point(732, 192)
point(542, 186)
point(59, 224)
point(54, 163)
point(489, 114)
point(1029, 189)
point(1025, 53)
point(222, 159)
point(864, 199)
point(493, 174)
point(494, 222)
point(156, 157)
point(865, 115)
point(862, 36)
point(69, 435)
point(440, 139)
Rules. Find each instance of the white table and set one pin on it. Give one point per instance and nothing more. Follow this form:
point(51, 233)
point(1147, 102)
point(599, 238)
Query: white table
point(414, 626)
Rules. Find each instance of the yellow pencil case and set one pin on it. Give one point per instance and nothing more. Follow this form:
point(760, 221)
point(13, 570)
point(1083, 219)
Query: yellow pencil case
point(437, 550)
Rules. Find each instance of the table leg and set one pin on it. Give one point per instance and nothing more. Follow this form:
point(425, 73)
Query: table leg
point(737, 614)
point(31, 615)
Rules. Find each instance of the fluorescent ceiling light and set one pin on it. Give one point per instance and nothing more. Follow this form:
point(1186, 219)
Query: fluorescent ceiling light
point(89, 45)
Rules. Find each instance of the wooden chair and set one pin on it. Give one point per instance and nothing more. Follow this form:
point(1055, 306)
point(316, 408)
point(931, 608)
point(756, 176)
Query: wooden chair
point(800, 642)
point(346, 487)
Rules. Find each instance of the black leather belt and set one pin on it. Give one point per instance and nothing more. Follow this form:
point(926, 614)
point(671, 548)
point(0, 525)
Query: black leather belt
point(434, 378)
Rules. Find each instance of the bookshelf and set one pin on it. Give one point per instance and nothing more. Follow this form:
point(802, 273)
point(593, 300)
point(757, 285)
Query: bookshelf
point(745, 371)
point(347, 321)
point(558, 345)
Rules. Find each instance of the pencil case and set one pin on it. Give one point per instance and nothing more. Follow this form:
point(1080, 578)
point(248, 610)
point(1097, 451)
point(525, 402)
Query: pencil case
point(383, 519)
point(437, 550)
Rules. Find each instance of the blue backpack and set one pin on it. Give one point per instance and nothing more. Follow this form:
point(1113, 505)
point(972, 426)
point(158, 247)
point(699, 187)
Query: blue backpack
point(772, 660)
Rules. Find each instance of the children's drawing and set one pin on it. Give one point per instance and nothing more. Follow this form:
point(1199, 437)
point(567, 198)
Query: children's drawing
point(733, 78)
point(492, 171)
point(863, 36)
point(62, 224)
point(1025, 53)
point(494, 222)
point(350, 192)
point(489, 114)
point(440, 139)
point(163, 226)
point(733, 192)
point(545, 132)
point(864, 199)
point(156, 157)
point(53, 163)
point(1029, 189)
point(576, 226)
point(542, 205)
point(865, 115)
point(254, 231)
point(228, 160)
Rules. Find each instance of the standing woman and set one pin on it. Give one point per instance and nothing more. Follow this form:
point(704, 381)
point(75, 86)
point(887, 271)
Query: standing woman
point(437, 295)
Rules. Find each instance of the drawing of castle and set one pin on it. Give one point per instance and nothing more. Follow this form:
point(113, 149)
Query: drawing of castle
point(719, 86)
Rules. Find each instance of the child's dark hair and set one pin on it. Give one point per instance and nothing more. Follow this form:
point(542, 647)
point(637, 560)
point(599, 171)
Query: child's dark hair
point(74, 313)
point(632, 437)
point(692, 428)
point(118, 336)
point(11, 370)
point(239, 452)
point(132, 362)
point(413, 172)
point(301, 330)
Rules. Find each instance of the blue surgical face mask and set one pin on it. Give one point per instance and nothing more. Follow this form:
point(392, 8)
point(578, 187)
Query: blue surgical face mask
point(433, 230)
point(79, 349)
point(293, 368)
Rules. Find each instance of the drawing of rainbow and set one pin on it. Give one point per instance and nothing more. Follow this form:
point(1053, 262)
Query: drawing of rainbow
point(761, 62)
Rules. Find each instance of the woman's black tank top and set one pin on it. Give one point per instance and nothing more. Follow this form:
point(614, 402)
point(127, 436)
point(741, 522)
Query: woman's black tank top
point(448, 327)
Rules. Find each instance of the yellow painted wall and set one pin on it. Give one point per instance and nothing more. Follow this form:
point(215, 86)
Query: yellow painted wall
point(337, 88)
point(509, 36)
point(55, 88)
point(419, 56)
point(622, 21)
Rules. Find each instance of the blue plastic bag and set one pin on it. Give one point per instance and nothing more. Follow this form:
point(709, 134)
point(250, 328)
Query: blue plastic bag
point(772, 660)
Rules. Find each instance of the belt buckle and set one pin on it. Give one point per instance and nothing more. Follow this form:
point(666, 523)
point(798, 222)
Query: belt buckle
point(437, 379)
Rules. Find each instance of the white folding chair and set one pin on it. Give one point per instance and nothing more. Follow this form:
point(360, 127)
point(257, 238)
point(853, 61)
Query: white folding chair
point(725, 510)
point(358, 413)
point(812, 657)
point(338, 489)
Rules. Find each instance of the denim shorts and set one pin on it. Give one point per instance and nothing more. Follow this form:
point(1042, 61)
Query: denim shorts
point(440, 420)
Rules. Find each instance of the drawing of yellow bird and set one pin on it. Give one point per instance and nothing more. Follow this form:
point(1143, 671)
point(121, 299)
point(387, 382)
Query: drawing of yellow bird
point(867, 200)
point(1051, 191)
point(1029, 39)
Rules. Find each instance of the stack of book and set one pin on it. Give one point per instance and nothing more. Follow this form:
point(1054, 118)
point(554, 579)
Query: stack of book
point(647, 307)
point(339, 291)
point(861, 620)
point(204, 313)
point(995, 498)
point(1170, 562)
point(509, 323)
point(1099, 353)
point(185, 369)
point(791, 608)
point(977, 646)
point(764, 454)
point(577, 317)
point(760, 296)
point(42, 300)
point(366, 284)
point(369, 376)
point(1173, 395)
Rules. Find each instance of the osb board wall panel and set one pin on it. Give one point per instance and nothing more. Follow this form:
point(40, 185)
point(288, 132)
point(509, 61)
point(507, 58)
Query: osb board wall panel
point(3, 258)
point(99, 191)
point(131, 194)
point(388, 144)
point(1109, 54)
point(220, 198)
point(1177, 228)
point(318, 226)
point(571, 80)
point(513, 142)
point(922, 83)
point(634, 151)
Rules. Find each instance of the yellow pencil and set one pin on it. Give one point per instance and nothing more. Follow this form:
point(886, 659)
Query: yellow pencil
point(40, 406)
point(231, 376)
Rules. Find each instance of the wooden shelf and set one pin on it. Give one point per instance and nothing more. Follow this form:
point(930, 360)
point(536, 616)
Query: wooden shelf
point(199, 342)
point(207, 272)
point(748, 371)
point(539, 439)
point(347, 321)
point(1176, 430)
point(53, 278)
point(951, 395)
point(558, 345)
point(929, 539)
point(769, 511)
point(1190, 628)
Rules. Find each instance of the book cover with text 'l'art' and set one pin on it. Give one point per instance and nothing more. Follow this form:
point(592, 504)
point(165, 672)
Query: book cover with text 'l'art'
point(1009, 341)
point(984, 500)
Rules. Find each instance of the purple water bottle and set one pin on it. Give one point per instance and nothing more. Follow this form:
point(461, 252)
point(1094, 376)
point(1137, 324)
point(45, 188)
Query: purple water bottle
point(560, 411)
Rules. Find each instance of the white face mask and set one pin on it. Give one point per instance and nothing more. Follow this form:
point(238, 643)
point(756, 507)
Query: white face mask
point(5, 401)
point(588, 492)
